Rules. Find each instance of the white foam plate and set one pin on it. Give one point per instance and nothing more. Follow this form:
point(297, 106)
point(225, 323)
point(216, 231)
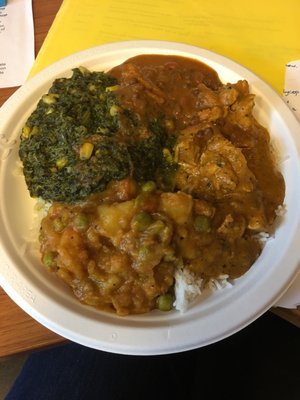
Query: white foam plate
point(225, 312)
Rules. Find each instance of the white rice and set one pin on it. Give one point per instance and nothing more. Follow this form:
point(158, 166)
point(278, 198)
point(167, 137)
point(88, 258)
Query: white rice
point(31, 244)
point(189, 287)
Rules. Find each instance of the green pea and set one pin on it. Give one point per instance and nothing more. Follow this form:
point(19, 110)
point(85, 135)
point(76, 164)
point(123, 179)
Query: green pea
point(144, 253)
point(58, 225)
point(149, 186)
point(169, 255)
point(202, 223)
point(49, 259)
point(141, 221)
point(81, 221)
point(156, 227)
point(165, 302)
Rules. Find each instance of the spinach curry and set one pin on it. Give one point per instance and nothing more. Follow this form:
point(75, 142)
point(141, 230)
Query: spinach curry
point(153, 166)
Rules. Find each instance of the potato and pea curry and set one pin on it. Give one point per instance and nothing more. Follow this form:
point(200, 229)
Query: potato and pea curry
point(153, 166)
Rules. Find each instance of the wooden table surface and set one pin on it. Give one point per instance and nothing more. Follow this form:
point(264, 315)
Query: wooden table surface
point(18, 331)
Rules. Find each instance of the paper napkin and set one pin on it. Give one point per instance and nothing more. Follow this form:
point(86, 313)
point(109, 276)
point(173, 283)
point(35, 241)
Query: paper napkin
point(16, 42)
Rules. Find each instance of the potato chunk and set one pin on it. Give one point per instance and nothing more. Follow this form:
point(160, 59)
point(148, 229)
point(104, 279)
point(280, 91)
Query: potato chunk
point(177, 206)
point(114, 219)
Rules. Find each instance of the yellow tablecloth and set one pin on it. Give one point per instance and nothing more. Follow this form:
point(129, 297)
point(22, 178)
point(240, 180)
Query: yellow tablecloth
point(261, 35)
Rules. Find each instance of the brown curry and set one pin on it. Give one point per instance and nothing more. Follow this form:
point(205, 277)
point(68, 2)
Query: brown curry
point(118, 249)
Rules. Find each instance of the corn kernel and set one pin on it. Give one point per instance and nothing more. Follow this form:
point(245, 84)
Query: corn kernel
point(86, 151)
point(26, 132)
point(112, 88)
point(114, 110)
point(167, 155)
point(61, 163)
point(50, 98)
point(34, 131)
point(169, 124)
point(92, 87)
point(83, 70)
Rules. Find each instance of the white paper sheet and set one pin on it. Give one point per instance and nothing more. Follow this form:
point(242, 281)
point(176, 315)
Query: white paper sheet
point(291, 95)
point(16, 42)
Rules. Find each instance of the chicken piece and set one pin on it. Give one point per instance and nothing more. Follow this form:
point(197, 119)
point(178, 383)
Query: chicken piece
point(215, 171)
point(228, 95)
point(207, 98)
point(233, 227)
point(240, 113)
point(211, 114)
point(239, 103)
